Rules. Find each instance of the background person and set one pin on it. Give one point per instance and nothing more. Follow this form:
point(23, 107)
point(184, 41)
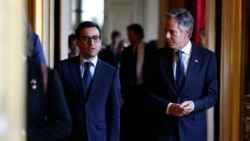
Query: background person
point(135, 60)
point(109, 52)
point(202, 37)
point(73, 48)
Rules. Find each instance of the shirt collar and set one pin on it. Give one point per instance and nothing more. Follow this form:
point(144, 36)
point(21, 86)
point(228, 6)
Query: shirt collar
point(187, 48)
point(93, 61)
point(140, 45)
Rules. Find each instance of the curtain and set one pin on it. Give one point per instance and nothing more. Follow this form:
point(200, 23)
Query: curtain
point(198, 12)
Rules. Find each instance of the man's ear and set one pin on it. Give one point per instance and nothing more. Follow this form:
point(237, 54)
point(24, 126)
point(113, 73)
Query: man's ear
point(78, 42)
point(187, 32)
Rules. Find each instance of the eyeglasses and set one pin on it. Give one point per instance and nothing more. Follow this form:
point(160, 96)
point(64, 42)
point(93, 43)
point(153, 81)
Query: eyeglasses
point(87, 39)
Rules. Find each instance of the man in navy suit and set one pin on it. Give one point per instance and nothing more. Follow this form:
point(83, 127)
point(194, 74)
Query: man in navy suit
point(37, 50)
point(181, 102)
point(96, 112)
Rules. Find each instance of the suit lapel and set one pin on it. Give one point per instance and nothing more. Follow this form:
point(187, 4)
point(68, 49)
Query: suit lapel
point(76, 73)
point(193, 65)
point(94, 81)
point(166, 64)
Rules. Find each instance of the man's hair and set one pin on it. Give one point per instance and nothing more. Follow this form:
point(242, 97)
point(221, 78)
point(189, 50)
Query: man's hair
point(184, 18)
point(85, 24)
point(71, 37)
point(115, 33)
point(137, 29)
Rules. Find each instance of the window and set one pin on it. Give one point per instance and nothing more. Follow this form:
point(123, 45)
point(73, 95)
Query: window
point(91, 10)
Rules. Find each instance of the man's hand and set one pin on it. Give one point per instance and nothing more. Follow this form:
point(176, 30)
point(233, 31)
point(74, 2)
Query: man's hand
point(187, 106)
point(182, 109)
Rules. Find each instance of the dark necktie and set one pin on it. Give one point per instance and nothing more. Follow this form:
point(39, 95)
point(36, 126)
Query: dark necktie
point(180, 75)
point(134, 66)
point(86, 77)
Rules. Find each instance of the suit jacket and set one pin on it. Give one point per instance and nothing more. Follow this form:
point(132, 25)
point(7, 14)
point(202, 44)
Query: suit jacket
point(48, 117)
point(36, 48)
point(98, 113)
point(200, 86)
point(107, 55)
point(126, 70)
point(135, 119)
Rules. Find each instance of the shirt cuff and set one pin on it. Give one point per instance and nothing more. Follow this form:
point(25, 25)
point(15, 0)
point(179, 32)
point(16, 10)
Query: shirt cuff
point(192, 106)
point(167, 110)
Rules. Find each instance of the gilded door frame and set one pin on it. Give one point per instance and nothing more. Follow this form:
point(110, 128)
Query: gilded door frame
point(231, 70)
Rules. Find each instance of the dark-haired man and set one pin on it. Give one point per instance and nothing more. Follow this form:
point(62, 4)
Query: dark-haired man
point(92, 89)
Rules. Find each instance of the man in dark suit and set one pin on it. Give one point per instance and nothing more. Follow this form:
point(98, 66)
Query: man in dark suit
point(109, 52)
point(182, 87)
point(48, 117)
point(95, 109)
point(47, 114)
point(134, 65)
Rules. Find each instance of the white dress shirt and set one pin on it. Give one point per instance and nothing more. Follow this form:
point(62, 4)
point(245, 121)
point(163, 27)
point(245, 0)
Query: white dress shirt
point(186, 53)
point(92, 66)
point(139, 64)
point(185, 58)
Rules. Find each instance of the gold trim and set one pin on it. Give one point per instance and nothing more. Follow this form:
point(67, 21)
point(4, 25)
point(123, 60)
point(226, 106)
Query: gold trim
point(230, 70)
point(39, 18)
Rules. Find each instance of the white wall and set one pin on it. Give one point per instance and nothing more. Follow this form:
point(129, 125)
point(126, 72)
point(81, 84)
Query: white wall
point(151, 19)
point(119, 14)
